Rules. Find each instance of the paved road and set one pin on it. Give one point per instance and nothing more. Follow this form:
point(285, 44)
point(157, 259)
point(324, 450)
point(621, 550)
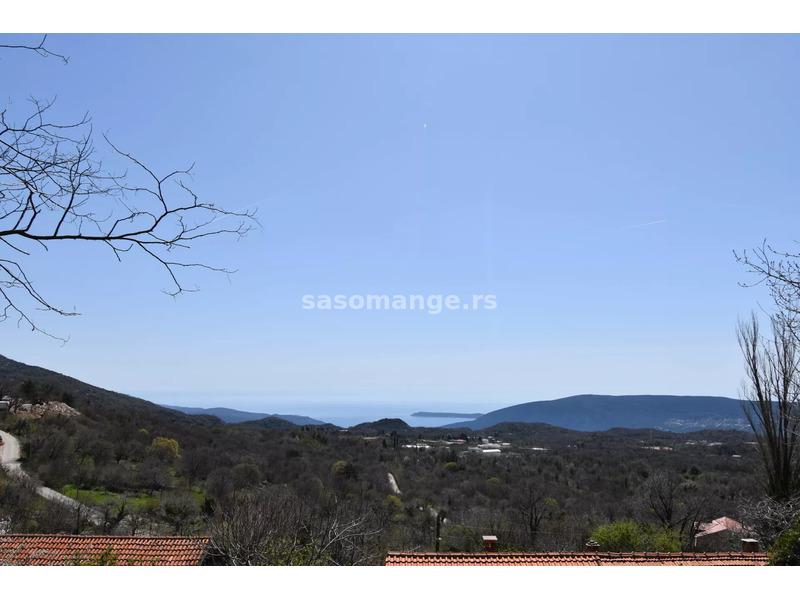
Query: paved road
point(9, 452)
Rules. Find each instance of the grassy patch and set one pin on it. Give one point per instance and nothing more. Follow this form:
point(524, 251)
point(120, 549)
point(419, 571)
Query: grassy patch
point(197, 493)
point(91, 497)
point(144, 502)
point(98, 497)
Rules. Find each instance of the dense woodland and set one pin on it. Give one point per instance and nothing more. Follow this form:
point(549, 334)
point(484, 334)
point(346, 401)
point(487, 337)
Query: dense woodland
point(272, 492)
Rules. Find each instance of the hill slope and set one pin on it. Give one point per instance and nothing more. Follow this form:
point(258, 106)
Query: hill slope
point(231, 415)
point(14, 373)
point(589, 412)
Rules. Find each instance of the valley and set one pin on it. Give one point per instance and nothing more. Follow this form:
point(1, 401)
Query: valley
point(537, 486)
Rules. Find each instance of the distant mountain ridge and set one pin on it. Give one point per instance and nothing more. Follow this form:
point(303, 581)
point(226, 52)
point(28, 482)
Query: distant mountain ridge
point(446, 415)
point(586, 412)
point(231, 415)
point(589, 412)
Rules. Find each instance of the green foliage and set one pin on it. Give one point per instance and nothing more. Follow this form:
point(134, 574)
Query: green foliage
point(90, 497)
point(146, 503)
point(342, 468)
point(311, 442)
point(632, 536)
point(665, 540)
point(786, 550)
point(394, 503)
point(619, 536)
point(246, 475)
point(109, 446)
point(165, 449)
point(460, 538)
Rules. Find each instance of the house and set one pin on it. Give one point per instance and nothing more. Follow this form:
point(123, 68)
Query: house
point(719, 535)
point(61, 550)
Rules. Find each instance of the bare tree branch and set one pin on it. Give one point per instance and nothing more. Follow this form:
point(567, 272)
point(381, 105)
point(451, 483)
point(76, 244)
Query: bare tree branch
point(780, 272)
point(38, 48)
point(53, 189)
point(771, 402)
point(275, 526)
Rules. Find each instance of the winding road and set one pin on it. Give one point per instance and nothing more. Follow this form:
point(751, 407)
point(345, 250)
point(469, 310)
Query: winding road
point(9, 452)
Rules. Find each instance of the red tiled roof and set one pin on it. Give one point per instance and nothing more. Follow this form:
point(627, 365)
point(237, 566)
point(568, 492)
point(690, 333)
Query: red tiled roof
point(51, 550)
point(559, 559)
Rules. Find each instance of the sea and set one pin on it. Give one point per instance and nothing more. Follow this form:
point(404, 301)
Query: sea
point(342, 409)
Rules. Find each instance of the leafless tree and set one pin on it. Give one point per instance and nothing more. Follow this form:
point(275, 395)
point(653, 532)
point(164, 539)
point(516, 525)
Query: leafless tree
point(8, 392)
point(136, 521)
point(54, 189)
point(780, 272)
point(16, 495)
point(531, 505)
point(767, 518)
point(340, 532)
point(111, 515)
point(274, 526)
point(676, 504)
point(257, 528)
point(771, 396)
point(54, 517)
point(181, 510)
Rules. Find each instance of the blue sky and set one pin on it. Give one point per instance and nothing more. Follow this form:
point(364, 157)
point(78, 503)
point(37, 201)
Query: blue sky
point(597, 185)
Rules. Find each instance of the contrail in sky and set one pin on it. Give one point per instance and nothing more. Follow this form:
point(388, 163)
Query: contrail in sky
point(650, 223)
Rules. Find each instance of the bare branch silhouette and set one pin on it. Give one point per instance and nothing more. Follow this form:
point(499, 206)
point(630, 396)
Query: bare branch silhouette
point(53, 189)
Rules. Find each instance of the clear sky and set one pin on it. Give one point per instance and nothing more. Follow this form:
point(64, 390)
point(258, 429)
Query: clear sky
point(596, 185)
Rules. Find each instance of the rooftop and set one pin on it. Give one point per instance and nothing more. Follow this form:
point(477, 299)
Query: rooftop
point(589, 559)
point(718, 525)
point(54, 550)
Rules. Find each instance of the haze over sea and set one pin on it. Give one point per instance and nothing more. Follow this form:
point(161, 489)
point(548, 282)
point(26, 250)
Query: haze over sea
point(342, 409)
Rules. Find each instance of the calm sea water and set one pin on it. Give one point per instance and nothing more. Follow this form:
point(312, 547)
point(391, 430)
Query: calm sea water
point(344, 410)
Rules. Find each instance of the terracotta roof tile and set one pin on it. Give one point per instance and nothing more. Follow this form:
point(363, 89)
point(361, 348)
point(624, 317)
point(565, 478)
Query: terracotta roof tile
point(555, 559)
point(49, 550)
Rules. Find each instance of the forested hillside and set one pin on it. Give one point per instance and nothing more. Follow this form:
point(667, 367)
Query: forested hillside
point(324, 495)
point(591, 412)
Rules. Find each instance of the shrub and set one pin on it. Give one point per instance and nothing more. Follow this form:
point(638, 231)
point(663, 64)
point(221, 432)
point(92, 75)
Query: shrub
point(633, 536)
point(786, 550)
